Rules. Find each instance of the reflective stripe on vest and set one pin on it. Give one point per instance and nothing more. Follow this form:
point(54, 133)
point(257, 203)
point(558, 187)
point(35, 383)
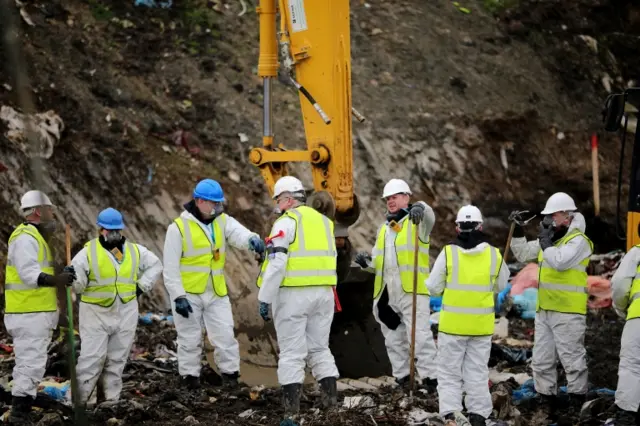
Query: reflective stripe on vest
point(203, 259)
point(105, 281)
point(634, 295)
point(467, 302)
point(564, 291)
point(20, 299)
point(405, 255)
point(311, 257)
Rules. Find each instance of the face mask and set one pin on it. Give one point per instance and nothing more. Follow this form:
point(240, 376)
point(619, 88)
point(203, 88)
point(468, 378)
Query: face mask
point(277, 211)
point(113, 237)
point(217, 209)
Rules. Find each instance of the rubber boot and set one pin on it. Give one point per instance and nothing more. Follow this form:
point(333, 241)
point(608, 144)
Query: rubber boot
point(329, 389)
point(230, 380)
point(403, 382)
point(291, 398)
point(577, 401)
point(431, 385)
point(625, 418)
point(190, 382)
point(549, 404)
point(20, 410)
point(477, 420)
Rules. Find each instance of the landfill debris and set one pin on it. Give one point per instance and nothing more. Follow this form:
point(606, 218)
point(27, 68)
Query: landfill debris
point(513, 356)
point(48, 127)
point(152, 3)
point(358, 402)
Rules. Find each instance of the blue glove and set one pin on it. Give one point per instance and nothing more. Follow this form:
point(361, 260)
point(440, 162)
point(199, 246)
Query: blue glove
point(435, 303)
point(256, 244)
point(502, 296)
point(264, 311)
point(183, 307)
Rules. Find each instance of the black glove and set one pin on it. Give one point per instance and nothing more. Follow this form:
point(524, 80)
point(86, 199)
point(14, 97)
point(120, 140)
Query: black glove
point(362, 259)
point(65, 278)
point(387, 315)
point(183, 307)
point(545, 235)
point(139, 292)
point(415, 213)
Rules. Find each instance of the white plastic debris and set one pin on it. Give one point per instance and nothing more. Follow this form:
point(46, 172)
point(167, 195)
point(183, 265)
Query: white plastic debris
point(418, 416)
point(501, 328)
point(246, 414)
point(501, 376)
point(48, 126)
point(358, 402)
point(243, 137)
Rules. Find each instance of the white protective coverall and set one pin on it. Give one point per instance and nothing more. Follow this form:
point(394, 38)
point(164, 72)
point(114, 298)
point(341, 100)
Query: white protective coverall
point(628, 390)
point(302, 316)
point(397, 341)
point(207, 307)
point(558, 334)
point(463, 360)
point(107, 333)
point(31, 332)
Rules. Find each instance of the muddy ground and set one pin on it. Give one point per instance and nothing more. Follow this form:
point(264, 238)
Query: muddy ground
point(153, 395)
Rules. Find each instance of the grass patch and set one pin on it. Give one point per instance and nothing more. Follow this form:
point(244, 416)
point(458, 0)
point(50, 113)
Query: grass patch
point(498, 6)
point(100, 11)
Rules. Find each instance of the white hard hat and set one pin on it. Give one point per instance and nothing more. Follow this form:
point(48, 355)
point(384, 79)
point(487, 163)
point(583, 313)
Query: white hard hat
point(395, 186)
point(287, 184)
point(34, 198)
point(559, 202)
point(469, 213)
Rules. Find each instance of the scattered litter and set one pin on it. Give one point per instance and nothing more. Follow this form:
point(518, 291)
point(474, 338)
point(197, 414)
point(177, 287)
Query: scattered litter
point(243, 137)
point(501, 327)
point(358, 402)
point(501, 376)
point(149, 318)
point(48, 127)
point(513, 356)
point(463, 10)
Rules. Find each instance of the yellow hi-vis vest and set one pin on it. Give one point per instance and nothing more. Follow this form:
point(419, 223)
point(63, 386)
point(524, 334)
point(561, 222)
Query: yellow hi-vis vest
point(467, 302)
point(405, 256)
point(312, 256)
point(564, 291)
point(634, 295)
point(201, 257)
point(19, 298)
point(105, 282)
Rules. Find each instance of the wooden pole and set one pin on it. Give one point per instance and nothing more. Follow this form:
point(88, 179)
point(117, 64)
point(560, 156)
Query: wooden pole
point(596, 178)
point(412, 358)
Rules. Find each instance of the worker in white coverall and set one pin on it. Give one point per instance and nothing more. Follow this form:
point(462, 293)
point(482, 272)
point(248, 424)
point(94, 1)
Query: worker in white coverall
point(31, 306)
point(393, 264)
point(563, 252)
point(625, 284)
point(195, 250)
point(469, 272)
point(111, 273)
point(297, 280)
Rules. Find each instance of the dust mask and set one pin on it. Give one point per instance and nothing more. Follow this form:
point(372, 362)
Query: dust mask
point(113, 237)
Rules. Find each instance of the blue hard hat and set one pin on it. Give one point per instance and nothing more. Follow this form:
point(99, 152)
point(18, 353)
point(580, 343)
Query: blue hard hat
point(209, 189)
point(110, 218)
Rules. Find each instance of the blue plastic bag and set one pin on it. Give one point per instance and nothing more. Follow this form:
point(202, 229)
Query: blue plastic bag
point(526, 303)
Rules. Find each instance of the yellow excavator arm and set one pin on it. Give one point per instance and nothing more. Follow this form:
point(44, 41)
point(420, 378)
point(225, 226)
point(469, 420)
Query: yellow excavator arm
point(315, 47)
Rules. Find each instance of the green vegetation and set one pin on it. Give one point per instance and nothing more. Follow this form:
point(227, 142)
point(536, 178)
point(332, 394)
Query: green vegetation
point(497, 6)
point(100, 11)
